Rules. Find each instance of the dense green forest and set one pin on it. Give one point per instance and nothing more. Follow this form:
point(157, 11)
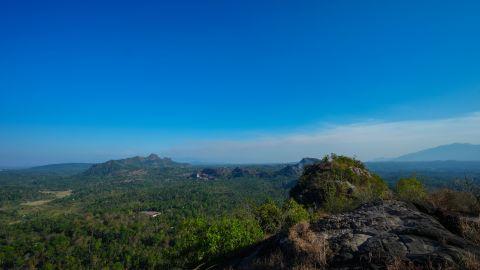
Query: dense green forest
point(99, 222)
point(78, 217)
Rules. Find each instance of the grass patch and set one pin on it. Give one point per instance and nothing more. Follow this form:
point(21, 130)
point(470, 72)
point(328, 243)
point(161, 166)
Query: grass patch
point(56, 195)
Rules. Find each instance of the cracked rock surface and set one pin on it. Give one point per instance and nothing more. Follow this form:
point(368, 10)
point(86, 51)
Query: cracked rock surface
point(374, 236)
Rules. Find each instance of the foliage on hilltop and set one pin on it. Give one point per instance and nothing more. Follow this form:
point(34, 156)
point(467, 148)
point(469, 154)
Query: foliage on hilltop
point(338, 183)
point(139, 164)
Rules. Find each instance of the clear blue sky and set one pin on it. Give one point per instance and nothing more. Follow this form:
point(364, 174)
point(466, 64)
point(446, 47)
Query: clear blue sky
point(92, 80)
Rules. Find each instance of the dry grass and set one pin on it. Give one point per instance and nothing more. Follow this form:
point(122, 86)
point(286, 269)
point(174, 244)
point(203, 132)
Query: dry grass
point(455, 201)
point(470, 229)
point(399, 264)
point(307, 267)
point(310, 248)
point(405, 264)
point(471, 262)
point(275, 260)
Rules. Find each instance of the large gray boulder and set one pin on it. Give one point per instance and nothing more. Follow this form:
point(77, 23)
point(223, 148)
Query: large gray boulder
point(379, 235)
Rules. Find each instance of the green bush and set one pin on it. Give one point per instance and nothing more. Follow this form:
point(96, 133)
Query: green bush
point(272, 218)
point(269, 216)
point(410, 189)
point(293, 213)
point(200, 240)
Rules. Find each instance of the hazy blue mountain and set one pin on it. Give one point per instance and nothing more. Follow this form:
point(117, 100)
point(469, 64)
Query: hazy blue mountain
point(424, 166)
point(456, 151)
point(61, 169)
point(434, 174)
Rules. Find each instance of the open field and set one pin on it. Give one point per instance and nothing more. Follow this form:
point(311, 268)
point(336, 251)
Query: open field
point(57, 194)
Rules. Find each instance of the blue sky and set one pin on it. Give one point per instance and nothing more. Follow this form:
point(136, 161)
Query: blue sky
point(94, 80)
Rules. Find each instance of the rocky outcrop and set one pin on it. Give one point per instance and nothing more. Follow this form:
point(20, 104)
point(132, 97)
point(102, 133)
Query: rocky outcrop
point(338, 179)
point(459, 215)
point(378, 235)
point(295, 170)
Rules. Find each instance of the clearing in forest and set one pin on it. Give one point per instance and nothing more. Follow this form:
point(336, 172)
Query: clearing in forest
point(58, 195)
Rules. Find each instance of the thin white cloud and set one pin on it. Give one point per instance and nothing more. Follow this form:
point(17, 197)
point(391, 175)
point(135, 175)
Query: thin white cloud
point(367, 141)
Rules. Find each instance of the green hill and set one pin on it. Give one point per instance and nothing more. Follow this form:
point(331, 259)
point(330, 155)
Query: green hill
point(116, 167)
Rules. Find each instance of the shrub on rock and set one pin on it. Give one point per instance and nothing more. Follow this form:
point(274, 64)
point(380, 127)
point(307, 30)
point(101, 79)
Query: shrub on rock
point(293, 213)
point(411, 189)
point(269, 216)
point(273, 218)
point(338, 183)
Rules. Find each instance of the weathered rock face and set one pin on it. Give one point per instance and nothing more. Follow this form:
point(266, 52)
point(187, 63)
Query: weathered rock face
point(380, 235)
point(464, 224)
point(295, 170)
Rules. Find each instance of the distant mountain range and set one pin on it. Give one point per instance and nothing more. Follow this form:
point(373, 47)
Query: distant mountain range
point(63, 169)
point(455, 151)
point(114, 167)
point(461, 152)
